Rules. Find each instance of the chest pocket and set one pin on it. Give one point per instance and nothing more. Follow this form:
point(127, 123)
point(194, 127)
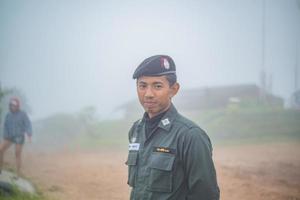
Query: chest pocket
point(132, 169)
point(161, 176)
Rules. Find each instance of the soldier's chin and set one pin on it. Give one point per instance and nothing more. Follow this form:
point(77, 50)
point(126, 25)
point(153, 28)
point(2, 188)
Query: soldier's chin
point(149, 109)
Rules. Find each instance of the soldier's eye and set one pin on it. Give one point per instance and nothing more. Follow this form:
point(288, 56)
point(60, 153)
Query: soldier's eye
point(158, 86)
point(142, 86)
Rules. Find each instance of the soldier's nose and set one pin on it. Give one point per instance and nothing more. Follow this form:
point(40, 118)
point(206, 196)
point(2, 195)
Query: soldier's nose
point(149, 93)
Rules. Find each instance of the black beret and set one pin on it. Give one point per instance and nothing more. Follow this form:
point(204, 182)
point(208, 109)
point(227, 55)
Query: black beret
point(158, 65)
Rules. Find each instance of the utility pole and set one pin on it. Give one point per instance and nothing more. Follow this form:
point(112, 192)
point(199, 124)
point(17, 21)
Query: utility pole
point(263, 34)
point(297, 51)
point(296, 68)
point(263, 75)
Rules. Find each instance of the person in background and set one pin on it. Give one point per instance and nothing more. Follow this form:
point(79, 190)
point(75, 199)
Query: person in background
point(16, 126)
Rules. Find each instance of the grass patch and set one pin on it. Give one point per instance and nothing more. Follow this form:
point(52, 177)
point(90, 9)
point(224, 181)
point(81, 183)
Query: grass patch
point(16, 194)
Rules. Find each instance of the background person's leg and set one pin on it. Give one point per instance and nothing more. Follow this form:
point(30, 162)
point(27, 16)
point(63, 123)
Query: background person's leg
point(18, 153)
point(5, 144)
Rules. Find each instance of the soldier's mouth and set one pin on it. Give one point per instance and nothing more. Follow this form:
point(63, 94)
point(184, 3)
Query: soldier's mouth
point(149, 103)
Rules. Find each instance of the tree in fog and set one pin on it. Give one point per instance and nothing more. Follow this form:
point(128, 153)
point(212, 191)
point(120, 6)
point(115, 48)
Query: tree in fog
point(88, 119)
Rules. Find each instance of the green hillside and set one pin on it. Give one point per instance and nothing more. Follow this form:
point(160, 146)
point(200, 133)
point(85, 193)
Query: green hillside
point(223, 126)
point(251, 125)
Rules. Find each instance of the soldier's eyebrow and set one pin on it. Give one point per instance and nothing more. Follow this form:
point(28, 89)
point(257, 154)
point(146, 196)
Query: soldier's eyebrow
point(153, 83)
point(157, 82)
point(142, 82)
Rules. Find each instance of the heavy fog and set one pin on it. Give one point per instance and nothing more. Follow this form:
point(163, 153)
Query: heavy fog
point(66, 55)
point(71, 63)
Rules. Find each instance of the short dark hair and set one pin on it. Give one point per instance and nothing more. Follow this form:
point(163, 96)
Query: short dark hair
point(172, 79)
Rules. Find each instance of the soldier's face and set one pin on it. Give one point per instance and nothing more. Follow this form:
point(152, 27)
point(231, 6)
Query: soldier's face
point(155, 93)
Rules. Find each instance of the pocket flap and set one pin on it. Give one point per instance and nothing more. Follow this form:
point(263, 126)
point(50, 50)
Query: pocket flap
point(132, 158)
point(161, 161)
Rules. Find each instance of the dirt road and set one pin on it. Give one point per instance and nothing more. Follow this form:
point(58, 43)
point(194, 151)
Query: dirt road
point(245, 172)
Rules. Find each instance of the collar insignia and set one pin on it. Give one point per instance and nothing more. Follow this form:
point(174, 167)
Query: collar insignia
point(165, 122)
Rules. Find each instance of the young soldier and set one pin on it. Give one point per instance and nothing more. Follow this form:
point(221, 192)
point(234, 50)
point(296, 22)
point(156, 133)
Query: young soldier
point(170, 157)
point(16, 125)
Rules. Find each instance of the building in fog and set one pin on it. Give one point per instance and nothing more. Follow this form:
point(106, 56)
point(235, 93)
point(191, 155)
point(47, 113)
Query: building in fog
point(200, 99)
point(222, 96)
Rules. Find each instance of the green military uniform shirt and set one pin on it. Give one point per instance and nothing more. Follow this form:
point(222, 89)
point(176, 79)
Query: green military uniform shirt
point(173, 163)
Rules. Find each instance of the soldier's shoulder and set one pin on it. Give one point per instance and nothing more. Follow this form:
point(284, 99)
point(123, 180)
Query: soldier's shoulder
point(186, 122)
point(135, 124)
point(189, 127)
point(192, 130)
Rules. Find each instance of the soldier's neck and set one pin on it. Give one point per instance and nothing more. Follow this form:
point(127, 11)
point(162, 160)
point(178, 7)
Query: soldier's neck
point(156, 114)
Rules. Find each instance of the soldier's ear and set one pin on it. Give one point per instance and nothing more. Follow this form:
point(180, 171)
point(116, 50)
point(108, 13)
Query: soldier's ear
point(174, 89)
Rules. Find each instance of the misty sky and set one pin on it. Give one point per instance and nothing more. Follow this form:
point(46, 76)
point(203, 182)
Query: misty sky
point(68, 54)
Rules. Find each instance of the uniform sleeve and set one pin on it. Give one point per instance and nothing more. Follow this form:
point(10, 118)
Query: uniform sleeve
point(132, 130)
point(27, 125)
point(130, 133)
point(199, 167)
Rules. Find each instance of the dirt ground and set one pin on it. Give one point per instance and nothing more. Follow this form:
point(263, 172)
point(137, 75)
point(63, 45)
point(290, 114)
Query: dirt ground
point(248, 172)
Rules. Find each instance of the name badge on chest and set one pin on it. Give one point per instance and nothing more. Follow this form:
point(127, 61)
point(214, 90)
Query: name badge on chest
point(134, 146)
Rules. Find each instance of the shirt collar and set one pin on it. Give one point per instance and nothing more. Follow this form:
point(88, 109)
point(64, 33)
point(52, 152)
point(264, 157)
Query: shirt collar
point(155, 118)
point(168, 119)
